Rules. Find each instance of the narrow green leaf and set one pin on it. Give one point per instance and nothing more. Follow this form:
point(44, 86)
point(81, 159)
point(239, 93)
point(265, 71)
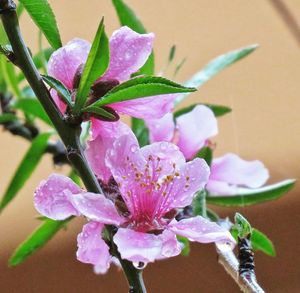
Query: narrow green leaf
point(247, 197)
point(205, 153)
point(199, 204)
point(261, 242)
point(242, 225)
point(186, 245)
point(63, 92)
point(36, 240)
point(102, 113)
point(217, 109)
point(178, 67)
point(141, 87)
point(96, 64)
point(32, 107)
point(73, 175)
point(141, 131)
point(214, 67)
point(172, 53)
point(9, 75)
point(26, 168)
point(128, 17)
point(7, 117)
point(20, 9)
point(43, 16)
point(213, 216)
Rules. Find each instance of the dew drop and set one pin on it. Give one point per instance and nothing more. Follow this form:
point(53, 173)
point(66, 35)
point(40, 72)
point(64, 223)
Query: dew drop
point(139, 265)
point(133, 148)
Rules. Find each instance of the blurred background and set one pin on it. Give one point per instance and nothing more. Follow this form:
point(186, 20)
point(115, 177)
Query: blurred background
point(264, 92)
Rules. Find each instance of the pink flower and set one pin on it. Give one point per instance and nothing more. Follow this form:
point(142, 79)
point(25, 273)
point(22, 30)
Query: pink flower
point(149, 186)
point(128, 53)
point(230, 172)
point(190, 132)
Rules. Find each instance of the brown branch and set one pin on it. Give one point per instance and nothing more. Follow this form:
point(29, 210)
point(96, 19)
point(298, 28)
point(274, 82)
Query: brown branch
point(246, 281)
point(288, 18)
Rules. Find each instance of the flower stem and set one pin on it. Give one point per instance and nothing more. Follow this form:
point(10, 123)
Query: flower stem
point(68, 133)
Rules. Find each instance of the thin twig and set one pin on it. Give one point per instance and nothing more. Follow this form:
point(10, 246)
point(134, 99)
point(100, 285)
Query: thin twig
point(247, 281)
point(288, 18)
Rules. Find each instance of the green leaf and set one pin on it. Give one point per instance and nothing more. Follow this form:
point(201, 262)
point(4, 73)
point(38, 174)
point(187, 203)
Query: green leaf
point(96, 64)
point(178, 67)
point(38, 58)
point(128, 17)
point(242, 225)
point(214, 67)
point(20, 9)
point(102, 113)
point(186, 245)
point(246, 197)
point(172, 53)
point(141, 131)
point(199, 204)
point(9, 75)
point(205, 153)
point(213, 216)
point(63, 92)
point(218, 110)
point(36, 240)
point(73, 175)
point(26, 168)
point(43, 16)
point(32, 107)
point(141, 87)
point(261, 242)
point(7, 117)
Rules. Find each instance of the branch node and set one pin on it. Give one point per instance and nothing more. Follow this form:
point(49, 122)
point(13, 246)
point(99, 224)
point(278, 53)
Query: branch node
point(7, 6)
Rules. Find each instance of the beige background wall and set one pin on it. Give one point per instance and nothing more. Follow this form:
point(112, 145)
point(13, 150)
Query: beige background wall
point(263, 90)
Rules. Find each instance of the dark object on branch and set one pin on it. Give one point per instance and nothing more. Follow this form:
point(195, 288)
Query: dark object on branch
point(6, 6)
point(246, 256)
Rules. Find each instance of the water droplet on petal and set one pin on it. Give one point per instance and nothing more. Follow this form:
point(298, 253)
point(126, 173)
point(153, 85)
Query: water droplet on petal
point(133, 148)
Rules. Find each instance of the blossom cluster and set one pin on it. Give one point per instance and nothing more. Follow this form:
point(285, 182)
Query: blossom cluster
point(145, 189)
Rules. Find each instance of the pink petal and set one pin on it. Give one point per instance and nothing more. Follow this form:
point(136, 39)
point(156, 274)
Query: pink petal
point(105, 133)
point(192, 177)
point(170, 245)
point(137, 246)
point(161, 129)
point(128, 53)
point(109, 129)
point(92, 248)
point(125, 161)
point(220, 187)
point(64, 62)
point(236, 171)
point(201, 230)
point(51, 198)
point(97, 207)
point(143, 107)
point(195, 128)
point(168, 154)
point(62, 106)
